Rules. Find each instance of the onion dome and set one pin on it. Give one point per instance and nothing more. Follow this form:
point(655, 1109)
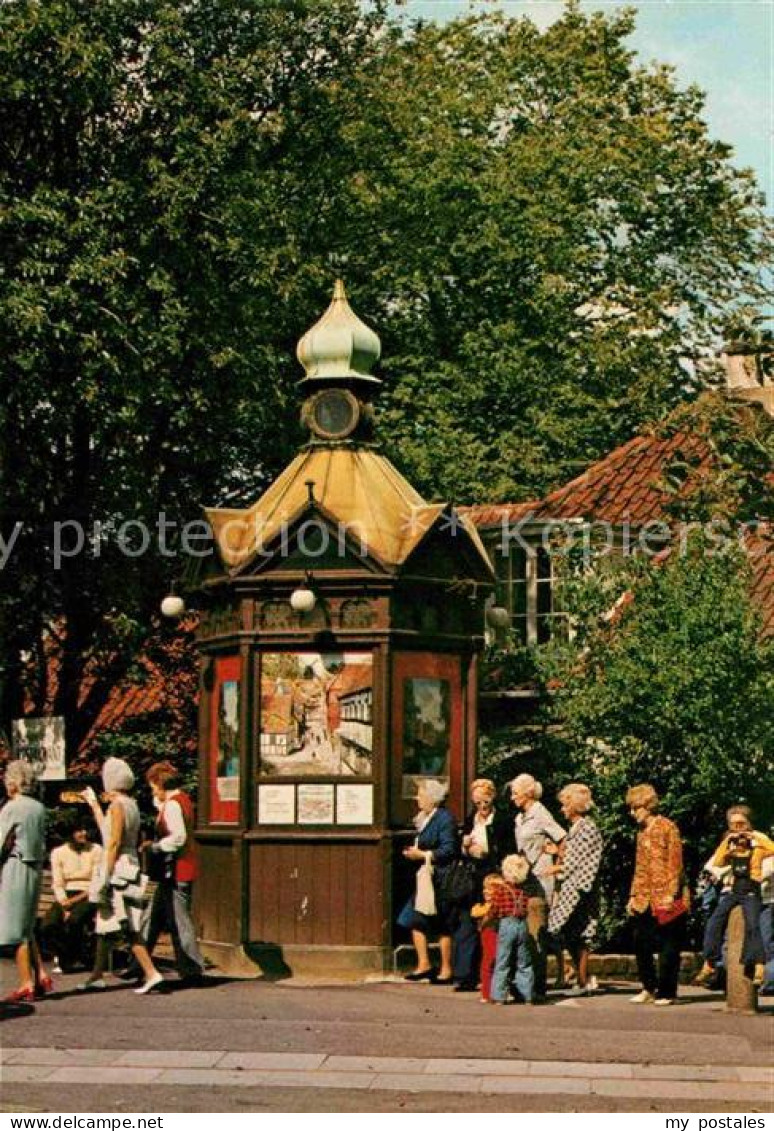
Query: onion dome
point(339, 347)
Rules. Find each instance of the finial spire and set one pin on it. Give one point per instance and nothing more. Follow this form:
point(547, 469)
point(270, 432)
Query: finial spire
point(339, 346)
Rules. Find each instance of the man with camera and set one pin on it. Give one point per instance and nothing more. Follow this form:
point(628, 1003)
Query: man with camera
point(741, 853)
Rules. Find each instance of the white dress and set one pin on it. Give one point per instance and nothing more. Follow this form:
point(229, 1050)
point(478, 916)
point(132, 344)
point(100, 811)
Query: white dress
point(121, 896)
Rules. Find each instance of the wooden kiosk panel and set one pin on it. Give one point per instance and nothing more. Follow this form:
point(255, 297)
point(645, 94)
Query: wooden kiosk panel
point(320, 893)
point(338, 638)
point(218, 902)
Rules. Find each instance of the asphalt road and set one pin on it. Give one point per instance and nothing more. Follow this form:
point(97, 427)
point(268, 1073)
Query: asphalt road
point(407, 1048)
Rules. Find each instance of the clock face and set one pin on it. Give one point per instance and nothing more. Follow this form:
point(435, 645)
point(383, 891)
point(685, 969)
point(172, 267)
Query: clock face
point(334, 414)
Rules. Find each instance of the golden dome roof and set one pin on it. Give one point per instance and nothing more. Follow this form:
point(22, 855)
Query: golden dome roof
point(360, 489)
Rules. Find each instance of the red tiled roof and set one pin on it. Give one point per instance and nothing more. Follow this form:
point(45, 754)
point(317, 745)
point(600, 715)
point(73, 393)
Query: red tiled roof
point(130, 702)
point(166, 685)
point(627, 486)
point(486, 515)
point(623, 487)
point(760, 550)
point(353, 677)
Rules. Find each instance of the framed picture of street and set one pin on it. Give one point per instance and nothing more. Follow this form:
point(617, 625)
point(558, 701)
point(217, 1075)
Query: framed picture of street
point(224, 741)
point(316, 714)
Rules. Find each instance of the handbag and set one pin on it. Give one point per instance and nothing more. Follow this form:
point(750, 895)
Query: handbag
point(458, 883)
point(8, 846)
point(666, 915)
point(125, 872)
point(159, 866)
point(424, 900)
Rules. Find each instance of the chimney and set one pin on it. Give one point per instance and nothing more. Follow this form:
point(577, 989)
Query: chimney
point(748, 373)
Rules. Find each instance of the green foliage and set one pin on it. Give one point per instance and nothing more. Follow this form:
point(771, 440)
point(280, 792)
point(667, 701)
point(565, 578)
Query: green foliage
point(675, 690)
point(508, 665)
point(562, 262)
point(141, 747)
point(539, 228)
point(723, 476)
point(165, 175)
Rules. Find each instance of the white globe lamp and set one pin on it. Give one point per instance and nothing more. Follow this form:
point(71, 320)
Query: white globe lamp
point(172, 606)
point(302, 600)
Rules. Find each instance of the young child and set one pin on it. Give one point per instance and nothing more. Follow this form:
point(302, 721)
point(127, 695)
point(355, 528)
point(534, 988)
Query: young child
point(743, 851)
point(509, 906)
point(487, 926)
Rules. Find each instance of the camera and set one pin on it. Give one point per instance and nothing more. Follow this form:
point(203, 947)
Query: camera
point(740, 847)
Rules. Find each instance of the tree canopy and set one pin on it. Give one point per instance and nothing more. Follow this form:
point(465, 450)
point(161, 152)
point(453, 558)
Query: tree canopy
point(540, 229)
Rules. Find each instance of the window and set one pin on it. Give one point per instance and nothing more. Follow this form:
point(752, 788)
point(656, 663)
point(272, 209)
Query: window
point(526, 588)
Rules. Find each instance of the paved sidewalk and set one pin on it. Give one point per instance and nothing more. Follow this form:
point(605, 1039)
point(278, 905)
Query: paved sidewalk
point(236, 1046)
point(221, 1069)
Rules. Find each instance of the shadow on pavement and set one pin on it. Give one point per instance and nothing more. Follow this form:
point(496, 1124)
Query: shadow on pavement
point(9, 1010)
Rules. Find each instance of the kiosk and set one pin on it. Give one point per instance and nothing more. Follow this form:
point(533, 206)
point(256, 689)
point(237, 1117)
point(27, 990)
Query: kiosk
point(341, 620)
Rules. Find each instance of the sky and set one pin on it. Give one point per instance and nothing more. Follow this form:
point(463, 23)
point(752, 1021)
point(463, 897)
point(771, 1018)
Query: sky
point(724, 46)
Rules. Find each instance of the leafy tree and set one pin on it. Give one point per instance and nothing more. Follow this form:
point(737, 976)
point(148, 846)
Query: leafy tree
point(565, 233)
point(540, 229)
point(721, 474)
point(166, 171)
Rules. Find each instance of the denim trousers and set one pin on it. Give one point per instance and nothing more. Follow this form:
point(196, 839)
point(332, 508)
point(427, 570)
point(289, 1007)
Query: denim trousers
point(171, 910)
point(513, 951)
point(750, 902)
point(767, 934)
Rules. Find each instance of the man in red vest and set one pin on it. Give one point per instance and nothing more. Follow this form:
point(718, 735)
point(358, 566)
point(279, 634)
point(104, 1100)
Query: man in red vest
point(173, 851)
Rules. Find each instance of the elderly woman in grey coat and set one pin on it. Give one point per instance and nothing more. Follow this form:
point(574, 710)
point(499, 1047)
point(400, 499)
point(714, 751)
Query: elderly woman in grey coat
point(538, 837)
point(23, 847)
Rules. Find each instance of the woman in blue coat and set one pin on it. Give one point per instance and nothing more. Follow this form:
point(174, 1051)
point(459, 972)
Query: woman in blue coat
point(436, 844)
point(23, 844)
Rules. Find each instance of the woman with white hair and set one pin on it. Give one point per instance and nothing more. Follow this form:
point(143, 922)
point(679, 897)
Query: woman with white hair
point(537, 833)
point(435, 846)
point(537, 838)
point(574, 912)
point(22, 851)
point(119, 887)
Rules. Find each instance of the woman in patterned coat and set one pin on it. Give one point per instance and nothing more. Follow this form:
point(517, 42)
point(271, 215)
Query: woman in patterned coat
point(574, 911)
point(657, 905)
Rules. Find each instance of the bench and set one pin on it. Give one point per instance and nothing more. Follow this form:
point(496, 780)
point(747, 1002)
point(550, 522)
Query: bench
point(46, 901)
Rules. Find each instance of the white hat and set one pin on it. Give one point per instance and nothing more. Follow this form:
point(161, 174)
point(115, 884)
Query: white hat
point(117, 774)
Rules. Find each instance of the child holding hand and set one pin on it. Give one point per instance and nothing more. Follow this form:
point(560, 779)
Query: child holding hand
point(487, 925)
